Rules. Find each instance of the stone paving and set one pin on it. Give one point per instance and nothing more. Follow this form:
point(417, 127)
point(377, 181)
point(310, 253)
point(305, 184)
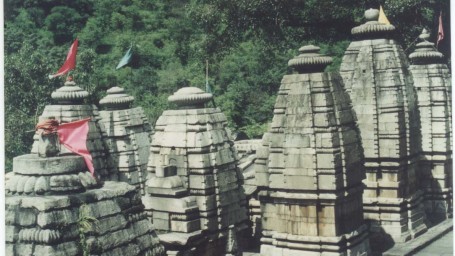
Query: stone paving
point(434, 242)
point(443, 247)
point(438, 241)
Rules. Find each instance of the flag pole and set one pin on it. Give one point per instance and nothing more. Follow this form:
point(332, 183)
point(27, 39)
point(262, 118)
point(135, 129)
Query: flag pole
point(207, 81)
point(206, 71)
point(131, 70)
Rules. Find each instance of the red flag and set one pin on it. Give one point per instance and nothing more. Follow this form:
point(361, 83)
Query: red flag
point(440, 30)
point(74, 137)
point(70, 62)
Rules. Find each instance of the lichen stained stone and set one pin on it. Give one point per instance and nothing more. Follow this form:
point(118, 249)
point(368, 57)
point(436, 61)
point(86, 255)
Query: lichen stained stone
point(310, 167)
point(375, 72)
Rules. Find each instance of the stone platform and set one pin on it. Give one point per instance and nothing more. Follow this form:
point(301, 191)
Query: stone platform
point(438, 240)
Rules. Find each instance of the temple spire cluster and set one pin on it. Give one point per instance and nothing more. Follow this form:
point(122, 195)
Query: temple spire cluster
point(352, 162)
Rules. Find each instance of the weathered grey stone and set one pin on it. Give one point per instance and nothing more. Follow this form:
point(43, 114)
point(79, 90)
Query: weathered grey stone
point(45, 203)
point(432, 81)
point(69, 107)
point(375, 72)
point(11, 233)
point(310, 166)
point(39, 222)
point(127, 136)
point(193, 175)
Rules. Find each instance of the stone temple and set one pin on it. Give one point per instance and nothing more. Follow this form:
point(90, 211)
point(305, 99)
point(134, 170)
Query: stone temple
point(69, 106)
point(193, 190)
point(54, 206)
point(375, 72)
point(432, 81)
point(311, 166)
point(127, 136)
point(352, 162)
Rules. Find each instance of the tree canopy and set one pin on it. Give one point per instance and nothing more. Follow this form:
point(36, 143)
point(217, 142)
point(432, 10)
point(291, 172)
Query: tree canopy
point(246, 42)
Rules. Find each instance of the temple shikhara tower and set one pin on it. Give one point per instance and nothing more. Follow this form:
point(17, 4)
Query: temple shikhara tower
point(375, 72)
point(310, 168)
point(69, 106)
point(127, 136)
point(432, 81)
point(55, 206)
point(354, 163)
point(193, 190)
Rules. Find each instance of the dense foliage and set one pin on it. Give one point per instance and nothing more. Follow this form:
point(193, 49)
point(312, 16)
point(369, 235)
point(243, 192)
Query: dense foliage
point(246, 42)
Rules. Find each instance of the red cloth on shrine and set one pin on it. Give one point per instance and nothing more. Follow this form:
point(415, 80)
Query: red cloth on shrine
point(74, 137)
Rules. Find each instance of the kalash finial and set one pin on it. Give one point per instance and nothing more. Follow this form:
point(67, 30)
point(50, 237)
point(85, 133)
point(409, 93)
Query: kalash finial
point(425, 53)
point(425, 35)
point(190, 97)
point(116, 98)
point(371, 15)
point(69, 93)
point(309, 60)
point(372, 28)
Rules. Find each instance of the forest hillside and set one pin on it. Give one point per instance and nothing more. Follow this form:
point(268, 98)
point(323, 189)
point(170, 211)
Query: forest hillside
point(247, 44)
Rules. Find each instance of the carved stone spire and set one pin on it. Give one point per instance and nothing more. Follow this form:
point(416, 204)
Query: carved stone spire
point(425, 52)
point(70, 93)
point(309, 60)
point(372, 28)
point(190, 97)
point(116, 98)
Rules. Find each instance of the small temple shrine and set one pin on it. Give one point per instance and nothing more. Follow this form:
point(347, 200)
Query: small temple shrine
point(432, 81)
point(127, 136)
point(69, 105)
point(194, 189)
point(55, 206)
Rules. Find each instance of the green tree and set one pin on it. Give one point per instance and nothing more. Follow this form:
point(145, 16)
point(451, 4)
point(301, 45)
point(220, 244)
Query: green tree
point(247, 44)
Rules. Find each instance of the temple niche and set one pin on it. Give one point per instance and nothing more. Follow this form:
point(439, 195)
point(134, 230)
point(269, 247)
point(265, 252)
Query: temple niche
point(310, 167)
point(432, 81)
point(55, 206)
point(193, 191)
point(127, 136)
point(375, 72)
point(69, 106)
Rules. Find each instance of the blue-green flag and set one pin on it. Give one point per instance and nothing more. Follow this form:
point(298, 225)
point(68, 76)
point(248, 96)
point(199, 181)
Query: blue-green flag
point(207, 87)
point(126, 58)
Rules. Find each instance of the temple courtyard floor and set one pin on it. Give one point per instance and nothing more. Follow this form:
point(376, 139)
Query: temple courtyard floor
point(437, 241)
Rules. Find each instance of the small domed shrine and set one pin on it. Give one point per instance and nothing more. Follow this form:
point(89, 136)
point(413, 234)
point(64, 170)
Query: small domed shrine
point(69, 106)
point(127, 136)
point(194, 191)
point(55, 206)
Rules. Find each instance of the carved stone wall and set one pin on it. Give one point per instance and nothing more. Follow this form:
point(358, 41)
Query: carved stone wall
point(193, 191)
point(375, 72)
point(50, 201)
point(69, 106)
point(433, 84)
point(311, 166)
point(127, 136)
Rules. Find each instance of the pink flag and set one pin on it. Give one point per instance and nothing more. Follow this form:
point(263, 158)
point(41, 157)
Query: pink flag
point(440, 30)
point(74, 137)
point(70, 62)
